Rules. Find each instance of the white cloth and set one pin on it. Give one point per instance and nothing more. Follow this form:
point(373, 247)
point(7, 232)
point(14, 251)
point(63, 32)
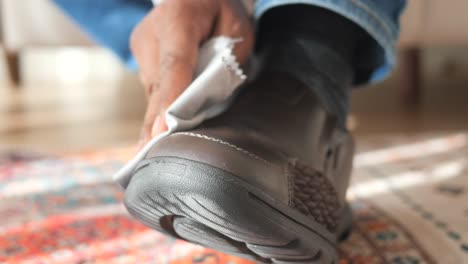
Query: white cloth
point(217, 77)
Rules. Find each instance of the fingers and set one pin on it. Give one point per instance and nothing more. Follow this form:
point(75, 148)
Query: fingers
point(166, 43)
point(235, 22)
point(177, 65)
point(145, 49)
point(152, 113)
point(166, 52)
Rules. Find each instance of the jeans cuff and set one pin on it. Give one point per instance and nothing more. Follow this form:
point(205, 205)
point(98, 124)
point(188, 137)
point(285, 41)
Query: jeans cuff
point(364, 13)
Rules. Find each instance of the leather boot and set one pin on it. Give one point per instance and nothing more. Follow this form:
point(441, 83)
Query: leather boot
point(267, 179)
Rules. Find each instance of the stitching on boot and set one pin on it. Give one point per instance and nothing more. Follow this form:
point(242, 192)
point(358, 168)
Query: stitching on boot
point(246, 152)
point(290, 179)
point(314, 195)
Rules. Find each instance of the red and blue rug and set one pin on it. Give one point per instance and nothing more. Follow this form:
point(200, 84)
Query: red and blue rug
point(409, 196)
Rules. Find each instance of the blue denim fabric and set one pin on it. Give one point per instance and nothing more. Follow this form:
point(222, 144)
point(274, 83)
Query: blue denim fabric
point(110, 22)
point(380, 18)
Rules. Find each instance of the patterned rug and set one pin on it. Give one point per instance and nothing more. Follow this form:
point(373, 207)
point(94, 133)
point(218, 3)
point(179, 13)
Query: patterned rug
point(409, 196)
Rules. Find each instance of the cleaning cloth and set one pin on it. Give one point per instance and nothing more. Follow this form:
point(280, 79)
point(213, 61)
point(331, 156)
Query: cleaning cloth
point(217, 78)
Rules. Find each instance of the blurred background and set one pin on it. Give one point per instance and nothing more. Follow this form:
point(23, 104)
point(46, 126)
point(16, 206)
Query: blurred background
point(70, 114)
point(59, 90)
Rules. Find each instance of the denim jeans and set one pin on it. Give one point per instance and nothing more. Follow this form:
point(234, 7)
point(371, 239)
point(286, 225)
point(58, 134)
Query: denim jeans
point(110, 22)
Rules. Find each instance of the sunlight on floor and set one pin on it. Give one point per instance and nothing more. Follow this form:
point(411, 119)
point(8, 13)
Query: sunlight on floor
point(407, 179)
point(411, 151)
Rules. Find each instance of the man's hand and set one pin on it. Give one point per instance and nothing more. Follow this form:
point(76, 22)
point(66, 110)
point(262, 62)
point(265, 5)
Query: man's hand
point(166, 44)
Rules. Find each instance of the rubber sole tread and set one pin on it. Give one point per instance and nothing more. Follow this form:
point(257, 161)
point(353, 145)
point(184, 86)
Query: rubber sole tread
point(210, 207)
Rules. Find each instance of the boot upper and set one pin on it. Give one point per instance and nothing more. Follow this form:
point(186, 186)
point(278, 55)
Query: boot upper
point(278, 137)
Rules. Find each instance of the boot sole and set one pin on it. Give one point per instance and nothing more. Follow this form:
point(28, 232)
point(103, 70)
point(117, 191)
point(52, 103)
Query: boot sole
point(211, 207)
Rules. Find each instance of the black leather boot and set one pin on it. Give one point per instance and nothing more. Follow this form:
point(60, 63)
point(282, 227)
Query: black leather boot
point(267, 179)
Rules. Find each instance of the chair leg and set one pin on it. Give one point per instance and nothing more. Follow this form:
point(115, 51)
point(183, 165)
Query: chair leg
point(411, 76)
point(13, 64)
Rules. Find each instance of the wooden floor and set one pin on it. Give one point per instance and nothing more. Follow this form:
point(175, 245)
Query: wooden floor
point(73, 117)
point(87, 114)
